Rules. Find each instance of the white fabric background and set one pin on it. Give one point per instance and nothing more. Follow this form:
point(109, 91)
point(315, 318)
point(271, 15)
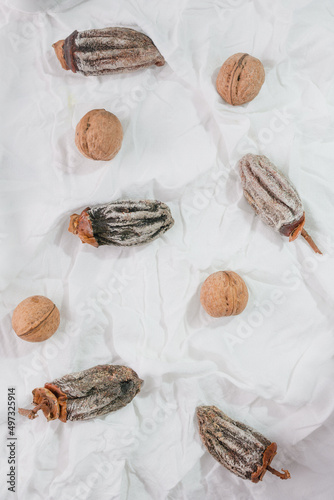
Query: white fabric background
point(271, 367)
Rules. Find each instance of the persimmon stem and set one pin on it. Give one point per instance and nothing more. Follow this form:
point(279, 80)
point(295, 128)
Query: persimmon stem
point(286, 474)
point(310, 241)
point(30, 413)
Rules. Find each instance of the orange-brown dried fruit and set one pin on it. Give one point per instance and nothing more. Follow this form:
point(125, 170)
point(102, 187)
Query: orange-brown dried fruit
point(240, 79)
point(224, 294)
point(99, 135)
point(35, 319)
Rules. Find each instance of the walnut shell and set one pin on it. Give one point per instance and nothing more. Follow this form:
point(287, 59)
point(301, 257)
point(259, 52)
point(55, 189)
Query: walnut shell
point(240, 79)
point(224, 294)
point(35, 319)
point(99, 135)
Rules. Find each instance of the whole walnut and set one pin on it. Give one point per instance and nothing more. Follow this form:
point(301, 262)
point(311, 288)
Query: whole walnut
point(240, 79)
point(99, 135)
point(224, 294)
point(35, 319)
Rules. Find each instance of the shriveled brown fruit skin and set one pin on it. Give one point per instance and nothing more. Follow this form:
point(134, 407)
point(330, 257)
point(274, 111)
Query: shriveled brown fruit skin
point(238, 447)
point(122, 223)
point(224, 294)
point(87, 394)
point(99, 135)
point(106, 51)
point(35, 319)
point(240, 79)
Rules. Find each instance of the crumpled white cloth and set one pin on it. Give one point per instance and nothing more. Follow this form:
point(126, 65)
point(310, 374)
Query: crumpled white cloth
point(270, 367)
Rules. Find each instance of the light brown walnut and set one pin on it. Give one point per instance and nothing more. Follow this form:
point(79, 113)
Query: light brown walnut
point(99, 135)
point(35, 319)
point(224, 294)
point(240, 79)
